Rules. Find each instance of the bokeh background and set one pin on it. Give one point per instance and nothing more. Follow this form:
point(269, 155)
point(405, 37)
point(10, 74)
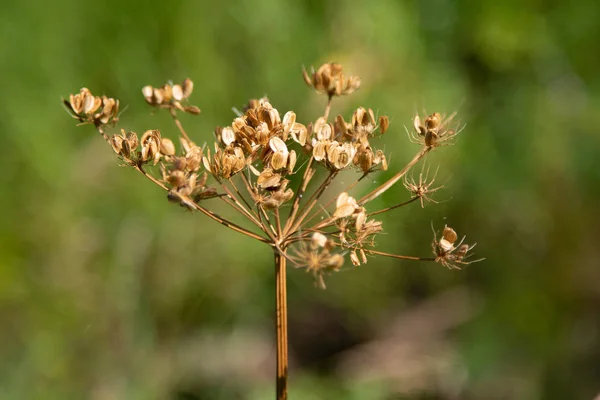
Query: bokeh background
point(107, 291)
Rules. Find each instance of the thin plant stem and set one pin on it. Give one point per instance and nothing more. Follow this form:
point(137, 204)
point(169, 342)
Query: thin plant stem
point(390, 182)
point(327, 108)
point(313, 200)
point(281, 325)
point(393, 207)
point(308, 174)
point(401, 257)
point(179, 125)
point(209, 213)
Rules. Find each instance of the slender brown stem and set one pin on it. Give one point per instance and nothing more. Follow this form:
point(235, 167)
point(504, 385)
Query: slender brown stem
point(327, 108)
point(393, 207)
point(281, 326)
point(312, 201)
point(381, 253)
point(209, 213)
point(179, 125)
point(329, 202)
point(390, 182)
point(306, 178)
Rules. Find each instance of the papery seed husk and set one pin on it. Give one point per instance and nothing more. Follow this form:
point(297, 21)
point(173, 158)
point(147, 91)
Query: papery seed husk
point(433, 121)
point(277, 145)
point(344, 211)
point(363, 255)
point(319, 151)
point(354, 259)
point(177, 92)
point(361, 218)
point(318, 239)
point(384, 123)
point(188, 86)
point(91, 104)
point(176, 178)
point(158, 95)
point(227, 136)
point(342, 199)
point(268, 179)
point(148, 92)
point(449, 234)
point(291, 161)
point(167, 92)
point(446, 245)
point(289, 119)
point(117, 143)
point(192, 110)
point(167, 147)
point(278, 160)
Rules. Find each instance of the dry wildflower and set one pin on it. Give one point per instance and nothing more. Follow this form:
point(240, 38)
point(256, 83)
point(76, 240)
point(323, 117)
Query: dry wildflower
point(169, 96)
point(448, 253)
point(330, 80)
point(434, 131)
point(248, 168)
point(316, 257)
point(90, 109)
point(422, 189)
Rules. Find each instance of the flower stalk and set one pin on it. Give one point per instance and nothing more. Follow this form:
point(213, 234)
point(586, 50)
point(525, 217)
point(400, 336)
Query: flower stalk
point(249, 166)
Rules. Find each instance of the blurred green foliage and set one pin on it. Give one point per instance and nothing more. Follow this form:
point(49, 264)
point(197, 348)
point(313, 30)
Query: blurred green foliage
point(109, 292)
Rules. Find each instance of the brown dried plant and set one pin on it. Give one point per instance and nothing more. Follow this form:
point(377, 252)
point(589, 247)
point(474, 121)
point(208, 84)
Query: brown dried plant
point(250, 167)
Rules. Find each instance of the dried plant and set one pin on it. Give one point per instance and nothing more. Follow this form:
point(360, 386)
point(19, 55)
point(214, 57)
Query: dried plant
point(250, 165)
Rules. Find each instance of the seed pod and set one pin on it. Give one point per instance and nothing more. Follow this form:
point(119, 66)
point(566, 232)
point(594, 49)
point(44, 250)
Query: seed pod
point(117, 143)
point(187, 86)
point(177, 92)
point(167, 147)
point(449, 234)
point(227, 136)
point(384, 123)
point(289, 119)
point(148, 92)
point(354, 259)
point(291, 162)
point(433, 121)
point(176, 178)
point(268, 179)
point(345, 206)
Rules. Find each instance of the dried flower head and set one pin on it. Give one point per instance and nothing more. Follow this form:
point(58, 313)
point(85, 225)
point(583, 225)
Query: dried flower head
point(422, 189)
point(330, 80)
point(90, 109)
point(169, 96)
point(448, 253)
point(317, 258)
point(434, 131)
point(249, 165)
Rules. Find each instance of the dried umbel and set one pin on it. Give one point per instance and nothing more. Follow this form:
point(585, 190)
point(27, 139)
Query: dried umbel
point(169, 95)
point(330, 80)
point(250, 166)
point(90, 109)
point(450, 254)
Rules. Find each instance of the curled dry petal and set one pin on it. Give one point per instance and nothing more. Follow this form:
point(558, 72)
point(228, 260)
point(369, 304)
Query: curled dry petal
point(345, 206)
point(299, 133)
point(289, 119)
point(177, 92)
point(318, 239)
point(291, 161)
point(167, 147)
point(268, 179)
point(227, 136)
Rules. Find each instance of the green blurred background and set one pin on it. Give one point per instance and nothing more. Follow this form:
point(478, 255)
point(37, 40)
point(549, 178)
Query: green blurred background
point(107, 291)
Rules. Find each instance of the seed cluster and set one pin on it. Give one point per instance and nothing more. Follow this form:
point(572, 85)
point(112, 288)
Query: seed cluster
point(252, 162)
